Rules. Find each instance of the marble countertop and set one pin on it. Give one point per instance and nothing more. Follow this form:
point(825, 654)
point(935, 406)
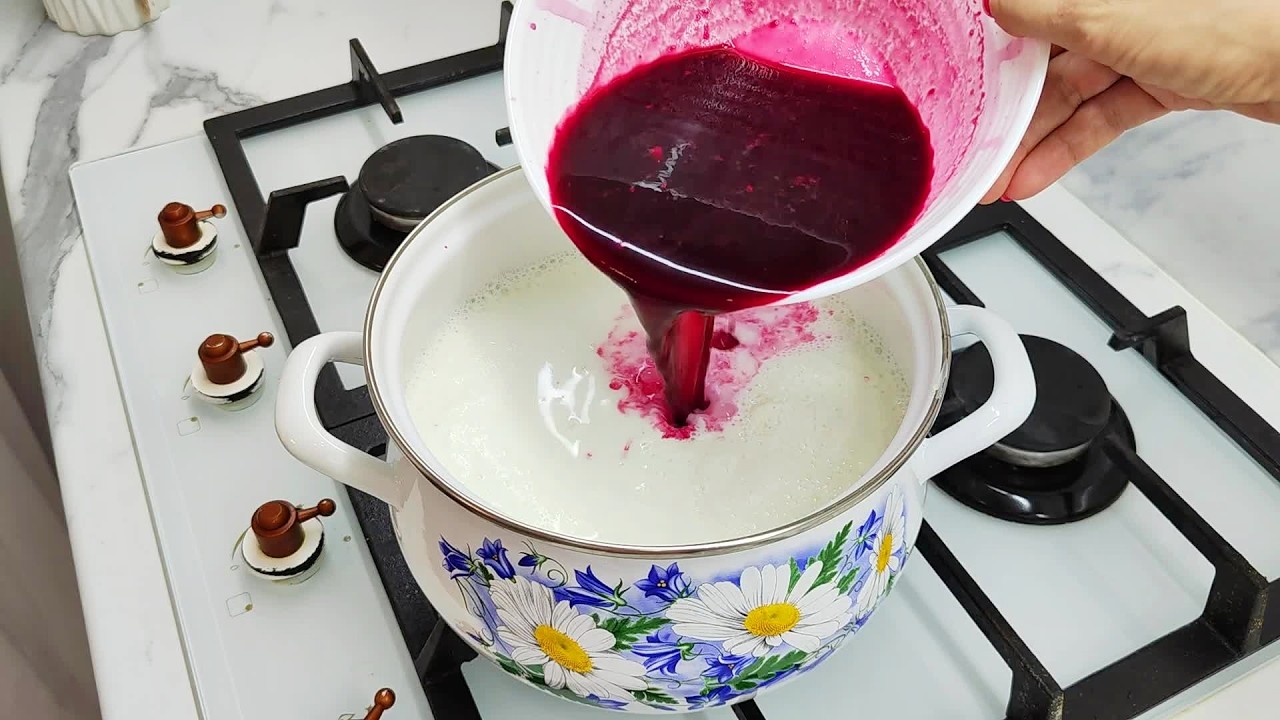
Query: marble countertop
point(1193, 191)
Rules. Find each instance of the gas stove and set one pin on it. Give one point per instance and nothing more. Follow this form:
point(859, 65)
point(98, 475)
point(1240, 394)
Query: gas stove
point(1112, 558)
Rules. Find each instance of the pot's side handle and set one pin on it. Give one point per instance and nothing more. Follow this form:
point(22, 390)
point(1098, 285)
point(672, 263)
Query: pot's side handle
point(1012, 396)
point(298, 423)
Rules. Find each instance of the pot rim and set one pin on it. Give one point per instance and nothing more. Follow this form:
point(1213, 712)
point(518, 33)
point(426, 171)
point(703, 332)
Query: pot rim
point(667, 552)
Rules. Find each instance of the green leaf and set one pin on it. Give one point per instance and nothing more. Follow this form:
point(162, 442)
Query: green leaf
point(653, 696)
point(627, 630)
point(846, 581)
point(508, 664)
point(832, 556)
point(765, 669)
point(795, 574)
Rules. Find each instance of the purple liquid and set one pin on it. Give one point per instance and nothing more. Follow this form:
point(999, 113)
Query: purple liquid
point(708, 182)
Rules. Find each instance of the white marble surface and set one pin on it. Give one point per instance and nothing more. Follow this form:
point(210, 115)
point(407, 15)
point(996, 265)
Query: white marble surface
point(1195, 192)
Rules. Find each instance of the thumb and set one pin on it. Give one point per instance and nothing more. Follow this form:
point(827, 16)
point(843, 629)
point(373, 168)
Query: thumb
point(1060, 22)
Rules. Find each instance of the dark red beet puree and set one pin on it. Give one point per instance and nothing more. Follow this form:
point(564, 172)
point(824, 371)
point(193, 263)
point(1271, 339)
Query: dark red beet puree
point(708, 182)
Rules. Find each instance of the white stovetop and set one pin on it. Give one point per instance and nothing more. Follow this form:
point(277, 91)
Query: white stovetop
point(1193, 192)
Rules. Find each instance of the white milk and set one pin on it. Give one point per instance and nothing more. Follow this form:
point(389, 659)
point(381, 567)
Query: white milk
point(514, 400)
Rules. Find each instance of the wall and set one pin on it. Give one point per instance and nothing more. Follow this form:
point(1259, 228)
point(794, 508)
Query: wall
point(45, 672)
point(17, 351)
point(44, 655)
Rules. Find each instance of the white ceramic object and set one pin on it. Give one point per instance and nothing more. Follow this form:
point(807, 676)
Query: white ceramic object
point(189, 260)
point(642, 628)
point(103, 17)
point(234, 396)
point(558, 50)
point(293, 569)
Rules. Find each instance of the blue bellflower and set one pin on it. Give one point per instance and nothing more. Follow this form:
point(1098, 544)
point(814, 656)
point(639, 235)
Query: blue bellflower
point(456, 562)
point(495, 556)
point(666, 584)
point(591, 591)
point(659, 655)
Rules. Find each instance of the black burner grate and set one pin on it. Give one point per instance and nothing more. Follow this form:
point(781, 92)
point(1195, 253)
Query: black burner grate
point(273, 226)
point(1236, 620)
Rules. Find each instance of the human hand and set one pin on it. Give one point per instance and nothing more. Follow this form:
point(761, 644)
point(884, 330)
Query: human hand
point(1117, 64)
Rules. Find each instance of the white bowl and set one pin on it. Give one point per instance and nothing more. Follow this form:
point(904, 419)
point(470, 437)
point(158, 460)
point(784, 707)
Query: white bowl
point(975, 85)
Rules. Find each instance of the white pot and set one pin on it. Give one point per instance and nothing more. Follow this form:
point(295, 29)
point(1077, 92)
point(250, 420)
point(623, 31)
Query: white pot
point(484, 572)
point(103, 17)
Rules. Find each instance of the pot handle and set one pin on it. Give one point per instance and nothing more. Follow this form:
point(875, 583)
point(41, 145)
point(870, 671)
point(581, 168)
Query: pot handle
point(298, 423)
point(1012, 394)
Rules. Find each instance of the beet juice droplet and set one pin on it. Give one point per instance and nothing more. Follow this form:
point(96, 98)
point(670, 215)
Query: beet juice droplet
point(707, 182)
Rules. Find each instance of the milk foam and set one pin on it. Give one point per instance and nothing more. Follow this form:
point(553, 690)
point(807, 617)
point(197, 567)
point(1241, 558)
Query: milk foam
point(516, 398)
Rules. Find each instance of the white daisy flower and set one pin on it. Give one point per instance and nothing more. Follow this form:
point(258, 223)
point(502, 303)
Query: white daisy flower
point(571, 649)
point(760, 613)
point(886, 554)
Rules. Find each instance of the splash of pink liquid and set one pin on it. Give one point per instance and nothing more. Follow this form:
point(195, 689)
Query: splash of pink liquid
point(567, 10)
point(817, 47)
point(1012, 50)
point(741, 344)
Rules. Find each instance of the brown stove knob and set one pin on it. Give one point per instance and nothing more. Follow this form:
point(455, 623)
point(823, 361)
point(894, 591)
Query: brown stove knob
point(180, 224)
point(221, 356)
point(277, 525)
point(382, 700)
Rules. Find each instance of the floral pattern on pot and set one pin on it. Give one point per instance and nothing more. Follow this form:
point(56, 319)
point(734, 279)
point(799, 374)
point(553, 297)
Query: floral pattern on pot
point(667, 640)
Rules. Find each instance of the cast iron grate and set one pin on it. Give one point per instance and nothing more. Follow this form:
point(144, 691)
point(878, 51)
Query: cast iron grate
point(273, 225)
point(1236, 620)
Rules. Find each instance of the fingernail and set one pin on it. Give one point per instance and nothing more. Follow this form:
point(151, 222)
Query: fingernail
point(1005, 198)
point(986, 7)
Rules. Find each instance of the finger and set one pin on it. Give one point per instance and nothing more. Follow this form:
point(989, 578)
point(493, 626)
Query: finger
point(1060, 22)
point(1097, 122)
point(1173, 100)
point(1071, 81)
point(1267, 112)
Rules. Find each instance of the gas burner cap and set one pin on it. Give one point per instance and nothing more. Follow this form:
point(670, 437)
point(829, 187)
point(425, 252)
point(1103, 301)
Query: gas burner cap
point(1055, 468)
point(399, 186)
point(1072, 402)
point(404, 181)
point(365, 240)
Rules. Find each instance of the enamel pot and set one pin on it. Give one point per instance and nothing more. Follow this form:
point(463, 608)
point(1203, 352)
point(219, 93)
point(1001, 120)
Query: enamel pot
point(632, 627)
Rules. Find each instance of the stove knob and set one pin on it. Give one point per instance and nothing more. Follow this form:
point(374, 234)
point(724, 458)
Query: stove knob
point(229, 374)
point(186, 241)
point(284, 541)
point(382, 700)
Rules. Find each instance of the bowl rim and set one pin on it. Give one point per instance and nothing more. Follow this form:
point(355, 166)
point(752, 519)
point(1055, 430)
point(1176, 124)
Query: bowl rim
point(763, 538)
